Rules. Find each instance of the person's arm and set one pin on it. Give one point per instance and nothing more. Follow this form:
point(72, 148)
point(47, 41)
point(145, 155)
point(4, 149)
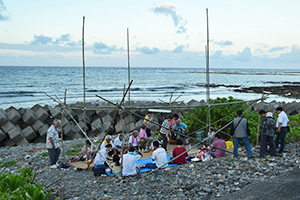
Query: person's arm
point(52, 143)
point(231, 129)
point(279, 127)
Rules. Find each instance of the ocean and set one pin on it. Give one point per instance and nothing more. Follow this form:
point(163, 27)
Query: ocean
point(26, 86)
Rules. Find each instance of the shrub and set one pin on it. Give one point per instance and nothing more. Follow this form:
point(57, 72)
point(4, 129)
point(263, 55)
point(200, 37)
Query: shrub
point(8, 163)
point(21, 186)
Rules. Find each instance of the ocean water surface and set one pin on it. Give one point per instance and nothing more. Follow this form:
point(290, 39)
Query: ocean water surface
point(26, 86)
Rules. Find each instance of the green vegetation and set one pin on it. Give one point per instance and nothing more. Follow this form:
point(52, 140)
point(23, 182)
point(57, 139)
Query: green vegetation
point(196, 119)
point(21, 186)
point(73, 151)
point(8, 163)
point(45, 154)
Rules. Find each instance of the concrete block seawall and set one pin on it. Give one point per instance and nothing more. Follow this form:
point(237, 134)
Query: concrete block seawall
point(23, 126)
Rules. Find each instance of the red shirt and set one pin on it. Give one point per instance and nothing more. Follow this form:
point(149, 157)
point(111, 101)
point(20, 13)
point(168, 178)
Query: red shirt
point(172, 123)
point(177, 151)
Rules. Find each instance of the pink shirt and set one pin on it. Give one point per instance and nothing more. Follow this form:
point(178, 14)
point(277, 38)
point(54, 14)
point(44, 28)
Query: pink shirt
point(143, 133)
point(222, 145)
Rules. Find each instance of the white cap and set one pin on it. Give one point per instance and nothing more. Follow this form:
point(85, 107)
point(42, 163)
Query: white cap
point(269, 114)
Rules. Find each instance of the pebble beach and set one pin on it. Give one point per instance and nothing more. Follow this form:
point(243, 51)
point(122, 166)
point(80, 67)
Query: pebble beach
point(199, 180)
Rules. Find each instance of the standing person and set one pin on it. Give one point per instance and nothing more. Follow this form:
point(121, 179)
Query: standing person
point(129, 162)
point(159, 155)
point(148, 123)
point(52, 143)
point(172, 123)
point(164, 131)
point(134, 140)
point(179, 150)
point(239, 131)
point(144, 139)
point(282, 128)
point(268, 130)
point(220, 144)
point(180, 127)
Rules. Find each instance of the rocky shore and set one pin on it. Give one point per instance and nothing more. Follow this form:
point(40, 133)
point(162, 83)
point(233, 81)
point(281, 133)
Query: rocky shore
point(201, 180)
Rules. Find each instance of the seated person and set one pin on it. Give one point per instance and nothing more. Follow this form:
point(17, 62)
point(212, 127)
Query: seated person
point(159, 155)
point(179, 150)
point(118, 144)
point(134, 140)
point(115, 165)
point(181, 128)
point(88, 149)
point(108, 141)
point(100, 160)
point(211, 134)
point(129, 162)
point(220, 144)
point(144, 139)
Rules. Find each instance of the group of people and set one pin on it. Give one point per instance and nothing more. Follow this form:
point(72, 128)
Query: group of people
point(171, 126)
point(240, 132)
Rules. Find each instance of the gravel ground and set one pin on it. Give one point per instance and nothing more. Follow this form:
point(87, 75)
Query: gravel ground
point(201, 180)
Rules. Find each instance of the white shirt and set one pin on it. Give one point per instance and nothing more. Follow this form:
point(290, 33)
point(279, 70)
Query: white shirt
point(98, 159)
point(282, 118)
point(103, 144)
point(129, 164)
point(135, 140)
point(160, 156)
point(52, 132)
point(117, 142)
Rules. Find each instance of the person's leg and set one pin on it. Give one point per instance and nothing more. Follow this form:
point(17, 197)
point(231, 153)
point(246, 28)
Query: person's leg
point(263, 146)
point(277, 140)
point(142, 143)
point(165, 141)
point(52, 156)
point(283, 133)
point(247, 146)
point(235, 147)
point(148, 131)
point(151, 165)
point(213, 154)
point(57, 153)
point(272, 146)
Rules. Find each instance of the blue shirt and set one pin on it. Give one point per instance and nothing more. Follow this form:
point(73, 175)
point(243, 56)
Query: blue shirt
point(181, 126)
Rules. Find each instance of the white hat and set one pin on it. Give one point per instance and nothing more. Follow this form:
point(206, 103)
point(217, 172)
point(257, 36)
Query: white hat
point(269, 114)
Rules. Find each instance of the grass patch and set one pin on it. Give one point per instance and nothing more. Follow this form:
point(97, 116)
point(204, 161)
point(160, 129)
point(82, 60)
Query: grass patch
point(8, 163)
point(228, 159)
point(73, 151)
point(98, 142)
point(45, 154)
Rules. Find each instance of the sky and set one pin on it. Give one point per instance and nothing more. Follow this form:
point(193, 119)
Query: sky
point(242, 34)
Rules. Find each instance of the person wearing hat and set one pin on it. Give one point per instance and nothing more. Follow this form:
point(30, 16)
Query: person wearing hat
point(268, 130)
point(282, 128)
point(239, 131)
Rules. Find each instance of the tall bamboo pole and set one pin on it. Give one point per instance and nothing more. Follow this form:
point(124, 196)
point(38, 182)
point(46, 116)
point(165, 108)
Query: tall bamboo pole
point(121, 115)
point(207, 72)
point(128, 73)
point(83, 62)
point(61, 134)
point(258, 122)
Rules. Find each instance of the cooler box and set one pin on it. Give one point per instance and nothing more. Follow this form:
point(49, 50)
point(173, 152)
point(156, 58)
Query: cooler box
point(229, 145)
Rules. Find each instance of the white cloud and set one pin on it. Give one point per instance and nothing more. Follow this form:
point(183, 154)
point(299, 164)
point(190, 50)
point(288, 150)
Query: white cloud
point(169, 10)
point(3, 11)
point(101, 48)
point(147, 50)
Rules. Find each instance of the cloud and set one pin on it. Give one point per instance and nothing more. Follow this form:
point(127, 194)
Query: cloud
point(223, 43)
point(217, 55)
point(180, 48)
point(3, 16)
point(101, 48)
point(291, 57)
point(273, 49)
point(64, 40)
point(147, 50)
point(169, 10)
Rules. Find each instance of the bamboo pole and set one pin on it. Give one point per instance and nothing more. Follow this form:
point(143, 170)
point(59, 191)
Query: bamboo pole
point(61, 134)
point(128, 72)
point(258, 121)
point(207, 73)
point(164, 107)
point(83, 63)
point(121, 116)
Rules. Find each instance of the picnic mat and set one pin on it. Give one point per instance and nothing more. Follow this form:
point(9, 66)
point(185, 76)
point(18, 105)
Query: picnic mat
point(142, 162)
